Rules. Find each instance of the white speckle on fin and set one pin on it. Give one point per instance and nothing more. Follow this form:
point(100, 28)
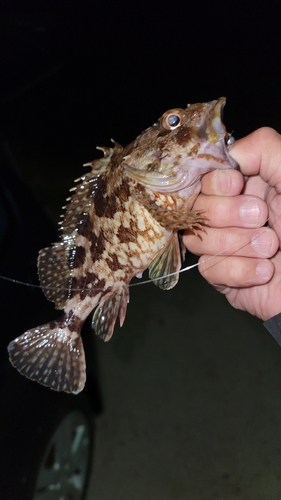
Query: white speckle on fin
point(51, 354)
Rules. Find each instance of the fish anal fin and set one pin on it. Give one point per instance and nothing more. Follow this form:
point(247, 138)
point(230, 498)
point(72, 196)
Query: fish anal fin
point(167, 262)
point(114, 304)
point(51, 354)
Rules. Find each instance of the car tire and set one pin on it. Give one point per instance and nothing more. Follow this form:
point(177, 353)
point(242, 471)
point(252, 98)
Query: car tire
point(65, 467)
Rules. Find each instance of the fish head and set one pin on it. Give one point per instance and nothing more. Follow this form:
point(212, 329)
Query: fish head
point(182, 146)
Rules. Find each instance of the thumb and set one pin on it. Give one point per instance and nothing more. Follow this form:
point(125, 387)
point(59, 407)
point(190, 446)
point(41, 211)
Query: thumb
point(260, 154)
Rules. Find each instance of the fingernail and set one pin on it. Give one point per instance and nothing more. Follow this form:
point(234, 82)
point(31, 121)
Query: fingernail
point(250, 212)
point(264, 270)
point(262, 242)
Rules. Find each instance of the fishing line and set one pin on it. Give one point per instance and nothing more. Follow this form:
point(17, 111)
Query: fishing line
point(145, 282)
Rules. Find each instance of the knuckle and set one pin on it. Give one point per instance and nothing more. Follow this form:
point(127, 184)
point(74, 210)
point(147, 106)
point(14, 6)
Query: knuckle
point(266, 134)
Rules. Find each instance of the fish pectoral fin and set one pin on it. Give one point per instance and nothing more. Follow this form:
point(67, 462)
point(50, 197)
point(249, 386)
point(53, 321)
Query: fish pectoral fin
point(52, 355)
point(170, 217)
point(193, 220)
point(114, 304)
point(167, 262)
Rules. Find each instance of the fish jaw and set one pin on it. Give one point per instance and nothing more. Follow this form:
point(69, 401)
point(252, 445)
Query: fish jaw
point(212, 153)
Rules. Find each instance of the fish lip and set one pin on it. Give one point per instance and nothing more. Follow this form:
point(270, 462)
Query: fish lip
point(213, 119)
point(216, 114)
point(211, 127)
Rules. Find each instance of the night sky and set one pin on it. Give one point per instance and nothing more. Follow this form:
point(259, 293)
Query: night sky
point(74, 74)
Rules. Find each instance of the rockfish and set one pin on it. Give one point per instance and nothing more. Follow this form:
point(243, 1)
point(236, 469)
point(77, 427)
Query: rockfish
point(123, 217)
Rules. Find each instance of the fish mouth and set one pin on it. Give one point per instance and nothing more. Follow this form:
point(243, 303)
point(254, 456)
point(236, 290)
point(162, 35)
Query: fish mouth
point(218, 115)
point(214, 130)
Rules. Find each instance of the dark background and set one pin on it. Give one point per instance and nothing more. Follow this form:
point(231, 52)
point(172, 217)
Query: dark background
point(73, 75)
point(76, 73)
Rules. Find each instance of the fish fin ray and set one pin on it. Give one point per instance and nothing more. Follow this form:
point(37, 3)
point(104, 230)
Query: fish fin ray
point(105, 315)
point(52, 355)
point(172, 218)
point(55, 263)
point(55, 272)
point(166, 262)
point(77, 210)
point(178, 219)
point(182, 246)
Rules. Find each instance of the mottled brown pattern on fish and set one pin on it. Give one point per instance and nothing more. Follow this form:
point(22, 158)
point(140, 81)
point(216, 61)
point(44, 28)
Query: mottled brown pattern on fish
point(73, 321)
point(183, 136)
point(113, 262)
point(97, 244)
point(127, 234)
point(89, 286)
point(154, 166)
point(121, 194)
point(80, 256)
point(123, 217)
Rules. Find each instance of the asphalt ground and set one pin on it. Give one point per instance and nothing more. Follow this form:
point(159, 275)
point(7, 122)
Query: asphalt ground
point(192, 401)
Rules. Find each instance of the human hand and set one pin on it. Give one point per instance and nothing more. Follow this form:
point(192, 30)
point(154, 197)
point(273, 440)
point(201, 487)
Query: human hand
point(249, 274)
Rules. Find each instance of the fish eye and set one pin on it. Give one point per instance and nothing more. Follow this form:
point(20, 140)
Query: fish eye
point(171, 120)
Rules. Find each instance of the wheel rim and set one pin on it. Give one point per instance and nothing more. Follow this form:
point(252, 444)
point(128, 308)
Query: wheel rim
point(65, 466)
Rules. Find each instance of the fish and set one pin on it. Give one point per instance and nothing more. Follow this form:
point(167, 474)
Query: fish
point(124, 216)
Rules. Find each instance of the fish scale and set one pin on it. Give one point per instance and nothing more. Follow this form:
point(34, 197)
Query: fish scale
point(123, 217)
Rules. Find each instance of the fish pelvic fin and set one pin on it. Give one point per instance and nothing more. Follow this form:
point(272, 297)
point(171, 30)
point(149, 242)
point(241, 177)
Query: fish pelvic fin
point(163, 270)
point(114, 304)
point(51, 354)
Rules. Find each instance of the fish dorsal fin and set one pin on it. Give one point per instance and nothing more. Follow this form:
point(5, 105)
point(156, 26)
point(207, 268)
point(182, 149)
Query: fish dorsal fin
point(82, 197)
point(56, 263)
point(114, 304)
point(167, 261)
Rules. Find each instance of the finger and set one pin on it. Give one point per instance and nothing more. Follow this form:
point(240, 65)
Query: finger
point(239, 211)
point(232, 241)
point(235, 272)
point(256, 186)
point(222, 182)
point(260, 154)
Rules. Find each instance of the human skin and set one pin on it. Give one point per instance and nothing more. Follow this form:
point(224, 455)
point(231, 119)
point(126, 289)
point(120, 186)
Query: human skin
point(237, 205)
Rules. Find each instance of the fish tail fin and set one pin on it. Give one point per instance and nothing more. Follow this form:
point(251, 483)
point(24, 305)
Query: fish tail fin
point(52, 354)
point(114, 304)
